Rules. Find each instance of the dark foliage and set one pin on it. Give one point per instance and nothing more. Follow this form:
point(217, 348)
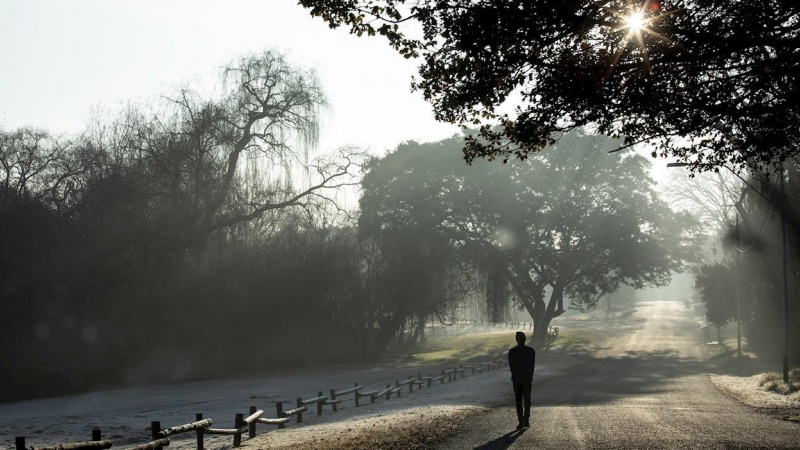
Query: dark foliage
point(717, 286)
point(163, 244)
point(709, 81)
point(759, 277)
point(574, 221)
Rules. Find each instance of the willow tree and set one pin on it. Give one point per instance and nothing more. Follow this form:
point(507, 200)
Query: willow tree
point(204, 163)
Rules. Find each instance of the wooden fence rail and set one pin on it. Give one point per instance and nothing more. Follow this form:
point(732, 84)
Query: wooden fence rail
point(205, 423)
point(504, 324)
point(247, 425)
point(95, 443)
point(152, 445)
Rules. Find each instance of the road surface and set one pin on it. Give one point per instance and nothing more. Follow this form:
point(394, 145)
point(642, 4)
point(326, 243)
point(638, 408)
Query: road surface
point(646, 387)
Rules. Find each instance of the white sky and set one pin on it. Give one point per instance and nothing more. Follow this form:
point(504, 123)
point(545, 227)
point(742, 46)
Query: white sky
point(60, 58)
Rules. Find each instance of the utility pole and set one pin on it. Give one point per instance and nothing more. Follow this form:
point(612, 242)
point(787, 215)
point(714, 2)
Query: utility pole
point(783, 205)
point(738, 295)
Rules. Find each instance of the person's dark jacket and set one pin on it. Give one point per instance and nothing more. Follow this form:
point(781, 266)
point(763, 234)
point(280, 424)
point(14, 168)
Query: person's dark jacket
point(521, 361)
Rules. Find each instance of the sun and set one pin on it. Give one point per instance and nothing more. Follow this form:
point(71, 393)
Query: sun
point(637, 24)
point(635, 21)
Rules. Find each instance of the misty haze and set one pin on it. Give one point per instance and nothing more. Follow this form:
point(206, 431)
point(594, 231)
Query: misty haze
point(399, 224)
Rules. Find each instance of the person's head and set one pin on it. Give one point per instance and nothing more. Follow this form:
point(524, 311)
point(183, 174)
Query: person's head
point(520, 338)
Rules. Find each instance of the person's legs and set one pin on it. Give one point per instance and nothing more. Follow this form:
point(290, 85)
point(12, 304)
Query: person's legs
point(519, 389)
point(526, 395)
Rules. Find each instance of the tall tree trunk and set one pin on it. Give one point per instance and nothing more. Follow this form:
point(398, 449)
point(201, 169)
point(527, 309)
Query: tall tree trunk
point(543, 317)
point(387, 330)
point(536, 308)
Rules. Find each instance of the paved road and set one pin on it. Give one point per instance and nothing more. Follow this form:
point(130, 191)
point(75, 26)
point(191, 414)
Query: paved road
point(647, 387)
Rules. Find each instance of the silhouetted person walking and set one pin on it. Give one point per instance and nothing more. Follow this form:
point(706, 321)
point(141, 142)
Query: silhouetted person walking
point(521, 360)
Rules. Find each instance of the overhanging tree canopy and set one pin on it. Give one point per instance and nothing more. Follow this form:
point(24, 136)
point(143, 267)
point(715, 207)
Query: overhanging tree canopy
point(709, 81)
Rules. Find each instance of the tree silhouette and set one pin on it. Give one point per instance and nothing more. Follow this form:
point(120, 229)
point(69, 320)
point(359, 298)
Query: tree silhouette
point(572, 222)
point(717, 285)
point(204, 163)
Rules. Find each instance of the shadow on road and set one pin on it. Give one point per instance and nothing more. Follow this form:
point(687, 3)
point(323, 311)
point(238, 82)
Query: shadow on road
point(503, 442)
point(604, 380)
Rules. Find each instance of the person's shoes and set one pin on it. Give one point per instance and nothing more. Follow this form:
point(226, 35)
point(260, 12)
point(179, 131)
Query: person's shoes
point(520, 426)
point(527, 424)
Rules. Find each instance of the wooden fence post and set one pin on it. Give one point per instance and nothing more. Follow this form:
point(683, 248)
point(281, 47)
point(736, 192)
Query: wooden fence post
point(251, 428)
point(20, 442)
point(96, 434)
point(279, 413)
point(319, 404)
point(198, 417)
point(429, 380)
point(299, 413)
point(155, 427)
point(237, 423)
point(441, 380)
point(388, 391)
point(333, 397)
point(410, 385)
point(397, 385)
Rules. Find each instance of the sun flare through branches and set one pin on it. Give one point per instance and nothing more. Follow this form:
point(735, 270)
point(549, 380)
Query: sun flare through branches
point(635, 22)
point(638, 22)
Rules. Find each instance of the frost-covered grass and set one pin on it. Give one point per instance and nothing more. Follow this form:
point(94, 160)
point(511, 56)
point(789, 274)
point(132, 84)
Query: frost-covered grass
point(773, 382)
point(749, 390)
point(746, 378)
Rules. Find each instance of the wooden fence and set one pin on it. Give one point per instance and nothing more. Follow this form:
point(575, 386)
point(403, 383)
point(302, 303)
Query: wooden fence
point(484, 323)
point(549, 339)
point(513, 325)
point(160, 438)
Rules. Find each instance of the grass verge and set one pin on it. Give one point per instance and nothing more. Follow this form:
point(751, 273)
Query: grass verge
point(773, 382)
point(462, 348)
point(471, 347)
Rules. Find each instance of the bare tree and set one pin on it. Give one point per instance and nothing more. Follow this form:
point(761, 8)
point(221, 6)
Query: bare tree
point(39, 166)
point(710, 197)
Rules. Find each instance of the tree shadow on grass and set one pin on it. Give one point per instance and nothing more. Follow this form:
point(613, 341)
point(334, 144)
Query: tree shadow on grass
point(503, 441)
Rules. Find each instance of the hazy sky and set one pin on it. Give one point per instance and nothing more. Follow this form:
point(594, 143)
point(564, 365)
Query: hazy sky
point(59, 58)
